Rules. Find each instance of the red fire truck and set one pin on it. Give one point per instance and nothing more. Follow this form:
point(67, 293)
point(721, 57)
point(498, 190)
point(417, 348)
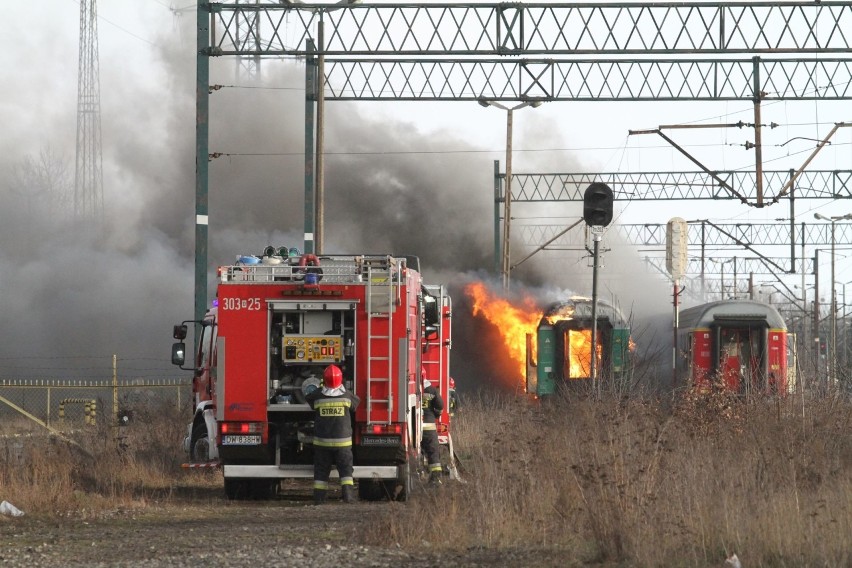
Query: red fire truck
point(275, 327)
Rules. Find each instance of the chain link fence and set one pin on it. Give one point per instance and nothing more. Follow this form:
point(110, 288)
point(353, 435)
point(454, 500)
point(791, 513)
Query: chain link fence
point(60, 403)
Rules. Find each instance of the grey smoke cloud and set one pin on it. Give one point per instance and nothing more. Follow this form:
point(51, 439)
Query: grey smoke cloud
point(73, 295)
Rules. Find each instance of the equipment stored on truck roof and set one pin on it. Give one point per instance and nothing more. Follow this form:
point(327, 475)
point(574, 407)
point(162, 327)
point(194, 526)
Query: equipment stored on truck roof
point(275, 327)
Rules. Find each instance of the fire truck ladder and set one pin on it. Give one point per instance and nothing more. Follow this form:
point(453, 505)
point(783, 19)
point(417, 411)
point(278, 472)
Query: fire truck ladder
point(379, 273)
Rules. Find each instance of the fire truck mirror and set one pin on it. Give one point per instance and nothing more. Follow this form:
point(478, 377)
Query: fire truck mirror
point(180, 332)
point(178, 353)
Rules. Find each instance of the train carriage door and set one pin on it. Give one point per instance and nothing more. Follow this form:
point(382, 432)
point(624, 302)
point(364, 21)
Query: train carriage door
point(731, 357)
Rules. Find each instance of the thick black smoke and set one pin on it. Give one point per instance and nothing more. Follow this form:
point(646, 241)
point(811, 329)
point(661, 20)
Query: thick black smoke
point(74, 294)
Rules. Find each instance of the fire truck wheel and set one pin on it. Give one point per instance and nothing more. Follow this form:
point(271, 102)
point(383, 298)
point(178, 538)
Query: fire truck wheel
point(199, 449)
point(237, 489)
point(370, 490)
point(405, 484)
point(262, 489)
point(254, 489)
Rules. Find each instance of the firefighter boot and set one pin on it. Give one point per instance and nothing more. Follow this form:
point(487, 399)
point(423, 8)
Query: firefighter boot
point(349, 494)
point(319, 496)
point(435, 477)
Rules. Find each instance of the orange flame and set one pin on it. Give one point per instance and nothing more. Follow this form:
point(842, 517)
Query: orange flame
point(512, 322)
point(580, 353)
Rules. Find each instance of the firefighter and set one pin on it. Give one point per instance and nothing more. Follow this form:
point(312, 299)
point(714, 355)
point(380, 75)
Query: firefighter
point(454, 398)
point(433, 406)
point(334, 408)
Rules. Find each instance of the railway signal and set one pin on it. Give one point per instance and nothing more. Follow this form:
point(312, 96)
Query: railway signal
point(597, 212)
point(597, 205)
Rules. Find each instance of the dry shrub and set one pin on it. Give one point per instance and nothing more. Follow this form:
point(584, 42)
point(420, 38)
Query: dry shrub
point(93, 468)
point(646, 482)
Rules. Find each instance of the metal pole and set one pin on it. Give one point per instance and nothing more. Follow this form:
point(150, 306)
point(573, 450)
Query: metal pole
point(793, 228)
point(507, 205)
point(816, 330)
point(114, 390)
point(674, 330)
point(498, 254)
point(736, 292)
point(758, 144)
point(320, 175)
point(202, 152)
point(845, 361)
point(310, 98)
point(596, 237)
point(803, 342)
point(832, 362)
point(703, 246)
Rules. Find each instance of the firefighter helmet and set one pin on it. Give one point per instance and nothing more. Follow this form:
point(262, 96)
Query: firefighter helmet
point(452, 383)
point(332, 377)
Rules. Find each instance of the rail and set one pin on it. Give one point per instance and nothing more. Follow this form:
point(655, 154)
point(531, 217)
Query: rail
point(328, 270)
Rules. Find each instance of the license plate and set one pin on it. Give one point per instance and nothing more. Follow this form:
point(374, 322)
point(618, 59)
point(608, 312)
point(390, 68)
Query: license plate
point(389, 441)
point(234, 440)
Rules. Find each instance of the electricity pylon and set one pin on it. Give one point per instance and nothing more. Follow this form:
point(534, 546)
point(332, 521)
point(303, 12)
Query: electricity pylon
point(88, 179)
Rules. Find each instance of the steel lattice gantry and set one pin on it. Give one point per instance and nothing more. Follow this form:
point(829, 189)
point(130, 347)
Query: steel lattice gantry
point(546, 51)
point(556, 28)
point(657, 186)
point(718, 235)
point(592, 51)
point(736, 265)
point(684, 185)
point(705, 237)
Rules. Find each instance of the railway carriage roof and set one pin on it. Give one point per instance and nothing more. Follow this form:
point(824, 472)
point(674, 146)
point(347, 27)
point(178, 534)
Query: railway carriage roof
point(580, 308)
point(746, 310)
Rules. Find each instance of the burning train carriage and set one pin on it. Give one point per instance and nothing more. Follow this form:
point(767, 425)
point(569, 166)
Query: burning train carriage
point(742, 344)
point(562, 351)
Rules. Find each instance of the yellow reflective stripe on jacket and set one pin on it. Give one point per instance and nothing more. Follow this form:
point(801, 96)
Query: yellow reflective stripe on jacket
point(333, 442)
point(333, 403)
point(429, 426)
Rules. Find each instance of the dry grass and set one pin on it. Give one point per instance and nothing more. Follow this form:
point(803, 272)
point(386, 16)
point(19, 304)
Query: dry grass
point(95, 468)
point(644, 482)
point(632, 481)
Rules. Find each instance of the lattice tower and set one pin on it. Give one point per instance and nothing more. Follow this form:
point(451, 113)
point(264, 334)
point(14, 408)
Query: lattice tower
point(88, 179)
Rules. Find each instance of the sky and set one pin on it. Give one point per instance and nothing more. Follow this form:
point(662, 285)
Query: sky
point(413, 178)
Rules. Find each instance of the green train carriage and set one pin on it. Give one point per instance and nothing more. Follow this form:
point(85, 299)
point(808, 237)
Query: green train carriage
point(561, 352)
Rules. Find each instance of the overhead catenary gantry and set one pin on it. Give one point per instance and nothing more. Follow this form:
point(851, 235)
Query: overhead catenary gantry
point(743, 236)
point(683, 185)
point(543, 51)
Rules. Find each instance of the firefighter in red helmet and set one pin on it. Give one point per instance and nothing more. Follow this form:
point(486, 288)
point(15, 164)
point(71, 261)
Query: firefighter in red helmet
point(334, 408)
point(432, 406)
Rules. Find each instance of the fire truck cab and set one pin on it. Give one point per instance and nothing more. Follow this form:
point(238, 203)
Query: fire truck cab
point(264, 345)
